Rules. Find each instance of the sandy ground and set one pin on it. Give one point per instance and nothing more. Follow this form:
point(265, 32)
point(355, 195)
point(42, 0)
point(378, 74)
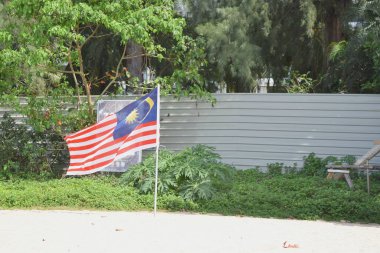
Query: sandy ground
point(87, 231)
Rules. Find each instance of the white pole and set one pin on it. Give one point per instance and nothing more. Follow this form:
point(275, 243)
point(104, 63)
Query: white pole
point(158, 145)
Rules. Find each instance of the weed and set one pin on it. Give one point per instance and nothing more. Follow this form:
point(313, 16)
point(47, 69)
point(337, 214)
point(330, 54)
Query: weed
point(194, 173)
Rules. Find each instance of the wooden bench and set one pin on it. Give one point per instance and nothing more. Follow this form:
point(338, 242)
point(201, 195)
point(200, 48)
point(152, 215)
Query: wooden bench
point(337, 174)
point(362, 164)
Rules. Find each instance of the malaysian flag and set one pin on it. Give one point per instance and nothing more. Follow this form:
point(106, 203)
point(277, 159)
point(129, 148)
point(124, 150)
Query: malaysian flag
point(133, 128)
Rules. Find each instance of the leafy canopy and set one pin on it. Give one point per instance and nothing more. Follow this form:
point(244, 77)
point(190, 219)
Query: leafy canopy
point(247, 40)
point(48, 37)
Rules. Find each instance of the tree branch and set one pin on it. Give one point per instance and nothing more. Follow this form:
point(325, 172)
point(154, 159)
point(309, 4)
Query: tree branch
point(74, 76)
point(84, 79)
point(148, 55)
point(91, 35)
point(103, 35)
point(68, 72)
point(117, 72)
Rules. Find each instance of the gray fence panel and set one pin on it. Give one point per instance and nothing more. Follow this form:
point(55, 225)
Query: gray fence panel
point(250, 130)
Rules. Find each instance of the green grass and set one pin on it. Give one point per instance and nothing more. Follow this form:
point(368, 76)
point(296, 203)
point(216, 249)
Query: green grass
point(81, 193)
point(251, 194)
point(296, 196)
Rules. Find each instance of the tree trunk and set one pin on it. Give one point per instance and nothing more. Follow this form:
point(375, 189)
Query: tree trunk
point(85, 82)
point(333, 27)
point(135, 62)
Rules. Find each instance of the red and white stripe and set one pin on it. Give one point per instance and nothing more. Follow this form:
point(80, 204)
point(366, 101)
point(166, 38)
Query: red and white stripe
point(94, 148)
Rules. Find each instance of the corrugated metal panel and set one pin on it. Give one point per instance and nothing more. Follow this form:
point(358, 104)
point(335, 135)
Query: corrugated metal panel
point(250, 130)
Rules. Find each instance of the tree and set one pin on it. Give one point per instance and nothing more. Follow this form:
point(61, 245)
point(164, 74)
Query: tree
point(292, 43)
point(232, 31)
point(251, 39)
point(60, 37)
point(369, 12)
point(354, 62)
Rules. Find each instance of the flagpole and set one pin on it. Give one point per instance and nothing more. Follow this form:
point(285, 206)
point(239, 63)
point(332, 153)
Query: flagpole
point(157, 147)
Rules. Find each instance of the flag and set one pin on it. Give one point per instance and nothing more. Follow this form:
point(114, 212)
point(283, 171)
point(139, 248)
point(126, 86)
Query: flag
point(133, 128)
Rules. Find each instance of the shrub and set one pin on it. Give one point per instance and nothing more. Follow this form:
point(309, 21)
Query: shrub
point(194, 173)
point(313, 165)
point(58, 110)
point(38, 148)
point(295, 196)
point(316, 166)
point(25, 152)
point(279, 168)
point(349, 159)
point(275, 168)
point(300, 83)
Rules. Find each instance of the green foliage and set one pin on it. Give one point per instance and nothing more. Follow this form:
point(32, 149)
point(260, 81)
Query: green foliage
point(295, 196)
point(83, 193)
point(194, 173)
point(337, 49)
point(303, 29)
point(349, 67)
point(232, 40)
point(57, 109)
point(25, 152)
point(246, 40)
point(36, 146)
point(335, 42)
point(370, 12)
point(252, 193)
point(316, 166)
point(275, 168)
point(92, 43)
point(348, 159)
point(300, 83)
point(354, 63)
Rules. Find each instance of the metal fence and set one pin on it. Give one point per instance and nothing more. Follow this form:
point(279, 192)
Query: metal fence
point(250, 130)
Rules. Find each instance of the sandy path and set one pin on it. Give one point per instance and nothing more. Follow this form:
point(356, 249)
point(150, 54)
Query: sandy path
point(85, 231)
